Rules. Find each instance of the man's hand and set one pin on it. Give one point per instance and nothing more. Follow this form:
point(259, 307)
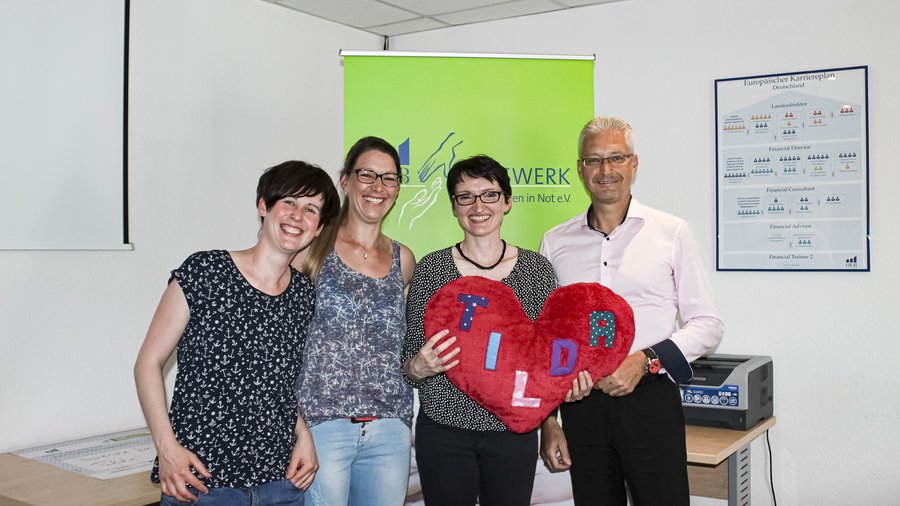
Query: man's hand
point(625, 378)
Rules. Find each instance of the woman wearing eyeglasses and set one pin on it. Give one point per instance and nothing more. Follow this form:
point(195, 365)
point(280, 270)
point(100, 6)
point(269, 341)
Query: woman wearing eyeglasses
point(351, 390)
point(463, 451)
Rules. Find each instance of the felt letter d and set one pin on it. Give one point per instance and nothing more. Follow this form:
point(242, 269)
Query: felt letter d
point(559, 346)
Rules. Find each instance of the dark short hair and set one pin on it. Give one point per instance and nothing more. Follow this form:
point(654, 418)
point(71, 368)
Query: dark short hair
point(479, 166)
point(299, 179)
point(366, 144)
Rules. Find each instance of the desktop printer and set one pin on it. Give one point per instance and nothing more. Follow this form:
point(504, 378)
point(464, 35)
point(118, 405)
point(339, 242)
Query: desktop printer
point(731, 391)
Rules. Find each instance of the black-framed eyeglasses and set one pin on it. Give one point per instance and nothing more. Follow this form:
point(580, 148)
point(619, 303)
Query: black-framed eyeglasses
point(614, 160)
point(367, 176)
point(488, 197)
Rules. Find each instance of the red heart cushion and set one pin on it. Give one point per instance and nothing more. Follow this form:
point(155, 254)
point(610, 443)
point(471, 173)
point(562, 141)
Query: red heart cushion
point(520, 370)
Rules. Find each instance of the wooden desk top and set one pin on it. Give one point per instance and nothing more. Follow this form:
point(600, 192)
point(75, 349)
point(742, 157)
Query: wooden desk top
point(712, 445)
point(26, 482)
point(29, 482)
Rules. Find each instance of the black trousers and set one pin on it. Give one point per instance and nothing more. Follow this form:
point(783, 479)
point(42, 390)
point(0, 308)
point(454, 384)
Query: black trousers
point(636, 439)
point(458, 466)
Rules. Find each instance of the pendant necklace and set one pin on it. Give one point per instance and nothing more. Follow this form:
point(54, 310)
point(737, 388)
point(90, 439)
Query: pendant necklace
point(476, 264)
point(365, 254)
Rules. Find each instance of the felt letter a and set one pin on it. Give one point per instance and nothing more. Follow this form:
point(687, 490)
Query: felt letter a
point(603, 324)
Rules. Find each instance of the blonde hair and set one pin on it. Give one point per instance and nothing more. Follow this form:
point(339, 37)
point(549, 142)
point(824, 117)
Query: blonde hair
point(319, 248)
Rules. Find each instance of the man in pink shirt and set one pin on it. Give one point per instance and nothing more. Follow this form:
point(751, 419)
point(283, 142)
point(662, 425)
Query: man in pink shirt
point(632, 430)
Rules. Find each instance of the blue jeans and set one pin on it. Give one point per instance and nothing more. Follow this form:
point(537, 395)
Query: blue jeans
point(361, 464)
point(276, 493)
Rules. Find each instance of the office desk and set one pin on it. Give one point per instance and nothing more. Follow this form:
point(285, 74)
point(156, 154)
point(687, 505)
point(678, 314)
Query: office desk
point(29, 482)
point(719, 461)
point(718, 467)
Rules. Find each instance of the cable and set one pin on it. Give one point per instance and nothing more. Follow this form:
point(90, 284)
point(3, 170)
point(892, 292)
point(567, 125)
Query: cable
point(771, 478)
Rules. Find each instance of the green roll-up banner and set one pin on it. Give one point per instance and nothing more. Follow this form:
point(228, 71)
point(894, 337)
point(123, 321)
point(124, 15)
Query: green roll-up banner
point(524, 111)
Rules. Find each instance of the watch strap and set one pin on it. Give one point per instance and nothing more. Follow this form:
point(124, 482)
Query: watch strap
point(652, 365)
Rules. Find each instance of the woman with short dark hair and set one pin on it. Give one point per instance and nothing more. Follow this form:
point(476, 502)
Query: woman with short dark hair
point(238, 320)
point(465, 453)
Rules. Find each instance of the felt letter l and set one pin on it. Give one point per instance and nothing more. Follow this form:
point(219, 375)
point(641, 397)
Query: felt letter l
point(518, 397)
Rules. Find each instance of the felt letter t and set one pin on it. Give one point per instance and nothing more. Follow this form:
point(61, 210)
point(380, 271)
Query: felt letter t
point(469, 304)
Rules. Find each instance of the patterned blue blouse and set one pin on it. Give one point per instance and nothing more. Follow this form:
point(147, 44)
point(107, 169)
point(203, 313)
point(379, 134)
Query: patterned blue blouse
point(351, 364)
point(234, 403)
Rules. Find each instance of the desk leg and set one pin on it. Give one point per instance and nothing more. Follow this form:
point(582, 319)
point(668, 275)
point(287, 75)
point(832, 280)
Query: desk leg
point(739, 477)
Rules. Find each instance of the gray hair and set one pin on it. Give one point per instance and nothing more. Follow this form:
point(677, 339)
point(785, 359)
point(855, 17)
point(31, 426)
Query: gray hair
point(607, 124)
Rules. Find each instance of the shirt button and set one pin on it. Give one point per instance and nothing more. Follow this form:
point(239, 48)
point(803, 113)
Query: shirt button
point(604, 264)
point(607, 238)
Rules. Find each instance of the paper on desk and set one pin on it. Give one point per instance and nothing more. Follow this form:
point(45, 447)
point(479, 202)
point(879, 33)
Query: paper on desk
point(103, 457)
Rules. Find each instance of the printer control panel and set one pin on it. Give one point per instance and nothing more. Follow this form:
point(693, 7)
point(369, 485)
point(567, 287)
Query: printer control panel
point(724, 396)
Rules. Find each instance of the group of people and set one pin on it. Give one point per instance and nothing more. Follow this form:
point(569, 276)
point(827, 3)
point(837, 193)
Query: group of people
point(297, 357)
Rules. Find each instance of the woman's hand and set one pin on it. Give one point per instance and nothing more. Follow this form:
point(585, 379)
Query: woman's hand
point(581, 387)
point(554, 449)
point(304, 462)
point(428, 361)
point(175, 463)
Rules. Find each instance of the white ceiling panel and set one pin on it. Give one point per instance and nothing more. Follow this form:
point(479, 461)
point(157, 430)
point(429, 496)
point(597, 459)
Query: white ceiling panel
point(415, 25)
point(354, 13)
point(398, 17)
point(430, 7)
point(581, 3)
point(500, 11)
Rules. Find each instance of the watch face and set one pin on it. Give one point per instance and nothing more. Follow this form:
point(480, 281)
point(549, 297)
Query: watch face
point(654, 366)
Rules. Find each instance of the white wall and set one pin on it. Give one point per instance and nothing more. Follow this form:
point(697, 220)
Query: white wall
point(220, 89)
point(831, 335)
point(223, 88)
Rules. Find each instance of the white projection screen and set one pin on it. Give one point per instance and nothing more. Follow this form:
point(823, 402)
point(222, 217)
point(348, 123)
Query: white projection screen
point(63, 67)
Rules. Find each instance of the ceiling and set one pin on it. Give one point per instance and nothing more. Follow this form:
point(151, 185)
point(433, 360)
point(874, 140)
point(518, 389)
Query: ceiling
point(397, 17)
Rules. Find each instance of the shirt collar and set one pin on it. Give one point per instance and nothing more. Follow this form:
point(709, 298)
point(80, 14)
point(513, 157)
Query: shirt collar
point(636, 211)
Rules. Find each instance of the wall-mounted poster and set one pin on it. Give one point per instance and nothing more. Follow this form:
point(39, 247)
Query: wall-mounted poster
point(792, 171)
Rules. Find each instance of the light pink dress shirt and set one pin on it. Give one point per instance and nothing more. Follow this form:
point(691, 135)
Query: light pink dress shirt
point(653, 262)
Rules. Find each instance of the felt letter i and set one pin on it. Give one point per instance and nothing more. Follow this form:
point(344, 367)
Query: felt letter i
point(490, 359)
point(518, 397)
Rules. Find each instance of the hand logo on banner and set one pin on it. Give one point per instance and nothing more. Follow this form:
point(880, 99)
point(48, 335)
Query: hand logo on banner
point(421, 202)
point(520, 370)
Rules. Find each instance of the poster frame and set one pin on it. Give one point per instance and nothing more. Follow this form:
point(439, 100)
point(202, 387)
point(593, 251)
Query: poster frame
point(721, 92)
